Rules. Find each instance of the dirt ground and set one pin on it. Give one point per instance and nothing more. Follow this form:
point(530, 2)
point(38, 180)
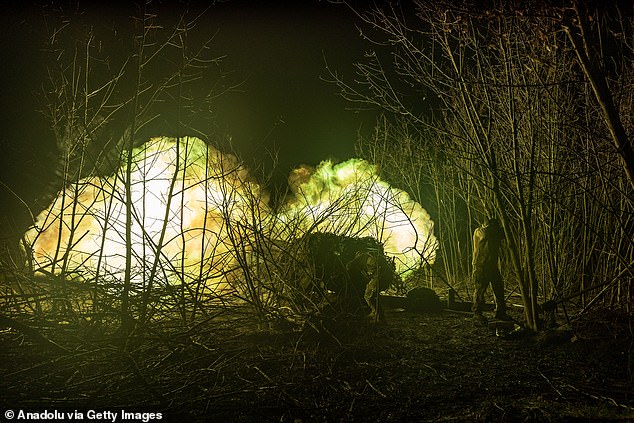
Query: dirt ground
point(416, 367)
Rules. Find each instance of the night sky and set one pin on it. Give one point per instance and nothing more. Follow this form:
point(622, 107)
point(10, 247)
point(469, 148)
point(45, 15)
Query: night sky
point(275, 54)
point(280, 53)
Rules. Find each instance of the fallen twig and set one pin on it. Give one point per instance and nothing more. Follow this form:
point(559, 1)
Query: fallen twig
point(33, 334)
point(600, 397)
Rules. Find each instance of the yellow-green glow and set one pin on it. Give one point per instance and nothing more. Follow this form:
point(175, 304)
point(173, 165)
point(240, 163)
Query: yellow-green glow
point(214, 211)
point(210, 193)
point(351, 199)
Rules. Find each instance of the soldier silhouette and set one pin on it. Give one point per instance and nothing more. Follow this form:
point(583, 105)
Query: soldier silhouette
point(486, 253)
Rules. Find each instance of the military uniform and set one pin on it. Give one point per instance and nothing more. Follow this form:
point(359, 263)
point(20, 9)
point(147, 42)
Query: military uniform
point(372, 288)
point(486, 252)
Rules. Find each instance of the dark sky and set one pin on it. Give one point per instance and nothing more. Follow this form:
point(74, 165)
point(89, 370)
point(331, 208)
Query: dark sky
point(274, 53)
point(280, 53)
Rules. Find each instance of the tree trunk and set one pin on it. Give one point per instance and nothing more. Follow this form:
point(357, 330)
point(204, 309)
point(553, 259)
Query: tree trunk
point(588, 60)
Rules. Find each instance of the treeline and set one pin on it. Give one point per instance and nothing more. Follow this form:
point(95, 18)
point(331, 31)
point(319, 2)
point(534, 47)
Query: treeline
point(521, 111)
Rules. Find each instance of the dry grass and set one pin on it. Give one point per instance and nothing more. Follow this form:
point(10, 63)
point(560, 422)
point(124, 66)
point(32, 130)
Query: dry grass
point(417, 367)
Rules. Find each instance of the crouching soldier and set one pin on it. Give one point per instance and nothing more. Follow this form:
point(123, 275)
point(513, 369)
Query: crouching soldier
point(486, 252)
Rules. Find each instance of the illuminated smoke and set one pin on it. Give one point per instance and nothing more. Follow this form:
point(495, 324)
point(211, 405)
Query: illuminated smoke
point(196, 210)
point(209, 194)
point(351, 199)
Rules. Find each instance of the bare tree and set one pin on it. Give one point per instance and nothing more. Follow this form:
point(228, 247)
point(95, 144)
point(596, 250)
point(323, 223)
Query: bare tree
point(102, 97)
point(500, 103)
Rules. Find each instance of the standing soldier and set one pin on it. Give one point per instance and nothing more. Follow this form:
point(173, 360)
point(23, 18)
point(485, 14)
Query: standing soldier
point(486, 253)
point(371, 295)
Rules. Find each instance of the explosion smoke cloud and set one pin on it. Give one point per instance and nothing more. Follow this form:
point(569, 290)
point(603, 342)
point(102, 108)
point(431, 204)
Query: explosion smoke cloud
point(351, 199)
point(194, 207)
point(187, 197)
